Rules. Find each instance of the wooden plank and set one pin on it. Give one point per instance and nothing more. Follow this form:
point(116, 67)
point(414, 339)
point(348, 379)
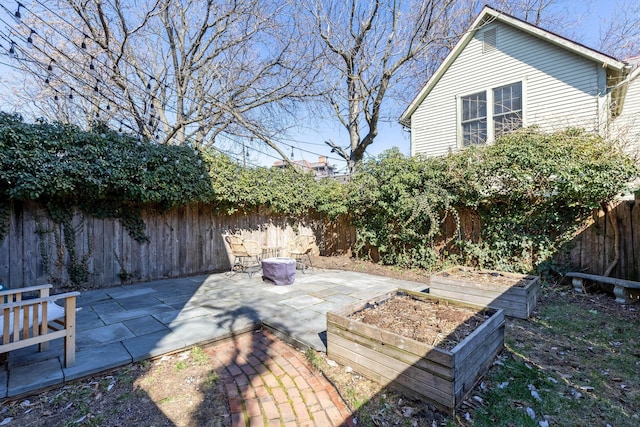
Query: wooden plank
point(31, 253)
point(588, 237)
point(490, 327)
point(167, 244)
point(623, 213)
point(470, 370)
point(388, 371)
point(634, 236)
point(111, 268)
point(98, 251)
point(154, 244)
point(575, 254)
point(15, 278)
point(599, 262)
point(143, 250)
point(513, 306)
point(421, 361)
point(5, 251)
point(609, 252)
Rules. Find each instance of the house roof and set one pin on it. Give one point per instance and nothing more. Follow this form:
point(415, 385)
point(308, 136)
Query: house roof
point(489, 15)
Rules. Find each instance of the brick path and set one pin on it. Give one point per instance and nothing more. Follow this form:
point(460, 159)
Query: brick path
point(269, 383)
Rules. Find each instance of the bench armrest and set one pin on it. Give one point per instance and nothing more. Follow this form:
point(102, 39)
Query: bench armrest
point(25, 290)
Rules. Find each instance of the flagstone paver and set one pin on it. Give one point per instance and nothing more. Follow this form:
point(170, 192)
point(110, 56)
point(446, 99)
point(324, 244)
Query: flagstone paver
point(268, 381)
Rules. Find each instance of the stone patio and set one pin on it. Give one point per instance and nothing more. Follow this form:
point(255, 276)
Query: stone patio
point(117, 326)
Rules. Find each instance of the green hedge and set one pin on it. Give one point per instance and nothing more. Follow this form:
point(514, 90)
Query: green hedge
point(108, 174)
point(531, 190)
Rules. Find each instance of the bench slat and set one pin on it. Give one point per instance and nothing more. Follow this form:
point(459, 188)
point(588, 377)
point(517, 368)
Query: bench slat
point(606, 279)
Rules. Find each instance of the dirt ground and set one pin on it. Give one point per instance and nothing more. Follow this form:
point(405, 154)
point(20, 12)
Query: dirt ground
point(165, 391)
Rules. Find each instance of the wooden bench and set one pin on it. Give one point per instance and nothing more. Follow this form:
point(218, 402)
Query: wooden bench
point(30, 321)
point(621, 288)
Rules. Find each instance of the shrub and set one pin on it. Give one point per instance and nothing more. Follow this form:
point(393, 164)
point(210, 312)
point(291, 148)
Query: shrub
point(531, 189)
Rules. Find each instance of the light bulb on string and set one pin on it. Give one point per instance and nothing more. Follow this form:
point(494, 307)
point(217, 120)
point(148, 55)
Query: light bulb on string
point(70, 93)
point(12, 49)
point(18, 15)
point(30, 38)
point(149, 83)
point(83, 45)
point(91, 66)
point(50, 66)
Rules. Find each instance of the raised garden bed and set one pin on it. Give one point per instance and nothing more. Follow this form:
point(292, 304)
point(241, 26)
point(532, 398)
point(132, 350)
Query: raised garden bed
point(516, 294)
point(442, 371)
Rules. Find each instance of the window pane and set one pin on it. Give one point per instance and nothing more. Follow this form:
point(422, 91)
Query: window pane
point(507, 108)
point(474, 118)
point(474, 106)
point(474, 132)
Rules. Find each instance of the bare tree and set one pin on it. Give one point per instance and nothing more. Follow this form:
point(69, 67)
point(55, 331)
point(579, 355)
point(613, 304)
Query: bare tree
point(620, 36)
point(368, 47)
point(177, 70)
point(378, 53)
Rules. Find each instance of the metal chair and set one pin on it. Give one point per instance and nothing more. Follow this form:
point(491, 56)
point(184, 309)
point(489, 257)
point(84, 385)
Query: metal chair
point(299, 247)
point(247, 254)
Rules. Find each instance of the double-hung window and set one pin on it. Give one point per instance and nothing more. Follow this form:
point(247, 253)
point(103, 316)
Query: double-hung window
point(474, 119)
point(485, 119)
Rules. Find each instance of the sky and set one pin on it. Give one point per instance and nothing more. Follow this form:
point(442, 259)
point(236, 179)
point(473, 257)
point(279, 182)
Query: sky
point(307, 142)
point(591, 16)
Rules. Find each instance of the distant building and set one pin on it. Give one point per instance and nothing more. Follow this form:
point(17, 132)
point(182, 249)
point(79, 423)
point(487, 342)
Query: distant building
point(321, 168)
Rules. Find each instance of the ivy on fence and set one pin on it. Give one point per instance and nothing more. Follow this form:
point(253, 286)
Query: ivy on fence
point(530, 189)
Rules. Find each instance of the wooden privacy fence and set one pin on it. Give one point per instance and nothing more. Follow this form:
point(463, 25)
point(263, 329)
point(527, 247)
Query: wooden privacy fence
point(592, 250)
point(189, 240)
point(184, 241)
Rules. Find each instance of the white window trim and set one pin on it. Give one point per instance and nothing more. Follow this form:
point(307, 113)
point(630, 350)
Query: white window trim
point(489, 97)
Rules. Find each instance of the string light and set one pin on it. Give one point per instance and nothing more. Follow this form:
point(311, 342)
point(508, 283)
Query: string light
point(92, 67)
point(18, 15)
point(12, 49)
point(30, 38)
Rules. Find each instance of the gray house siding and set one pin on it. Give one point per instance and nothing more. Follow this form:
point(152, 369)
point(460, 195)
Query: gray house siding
point(560, 89)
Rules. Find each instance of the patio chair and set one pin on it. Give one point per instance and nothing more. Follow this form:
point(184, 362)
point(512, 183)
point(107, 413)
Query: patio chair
point(300, 248)
point(247, 254)
point(29, 321)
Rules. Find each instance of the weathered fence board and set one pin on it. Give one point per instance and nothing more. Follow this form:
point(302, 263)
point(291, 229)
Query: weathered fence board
point(593, 248)
point(190, 241)
point(182, 242)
